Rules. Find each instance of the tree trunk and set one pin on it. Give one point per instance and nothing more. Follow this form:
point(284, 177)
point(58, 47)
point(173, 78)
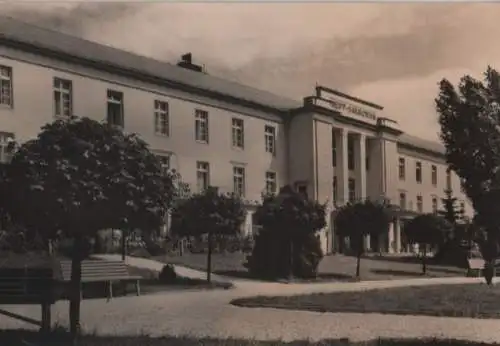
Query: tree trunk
point(358, 264)
point(359, 251)
point(290, 263)
point(209, 257)
point(424, 259)
point(75, 286)
point(124, 245)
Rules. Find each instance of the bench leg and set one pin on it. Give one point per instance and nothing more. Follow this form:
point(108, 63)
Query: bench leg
point(138, 287)
point(110, 290)
point(46, 318)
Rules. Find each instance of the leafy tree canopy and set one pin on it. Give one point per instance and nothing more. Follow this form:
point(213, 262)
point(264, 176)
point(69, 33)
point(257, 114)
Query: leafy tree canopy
point(290, 212)
point(469, 117)
point(451, 211)
point(362, 218)
point(427, 229)
point(208, 212)
point(80, 176)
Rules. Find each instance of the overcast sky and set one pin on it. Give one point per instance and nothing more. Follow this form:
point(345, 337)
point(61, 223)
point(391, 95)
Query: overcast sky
point(390, 54)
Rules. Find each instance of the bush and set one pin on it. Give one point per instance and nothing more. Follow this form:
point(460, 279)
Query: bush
point(167, 274)
point(270, 257)
point(287, 242)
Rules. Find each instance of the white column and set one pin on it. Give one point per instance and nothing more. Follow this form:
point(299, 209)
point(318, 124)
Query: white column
point(361, 167)
point(390, 238)
point(342, 171)
point(397, 231)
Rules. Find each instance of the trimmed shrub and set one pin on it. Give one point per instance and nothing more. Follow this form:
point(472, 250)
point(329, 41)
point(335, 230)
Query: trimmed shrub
point(167, 274)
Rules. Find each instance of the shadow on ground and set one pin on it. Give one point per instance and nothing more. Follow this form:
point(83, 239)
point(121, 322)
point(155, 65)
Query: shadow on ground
point(60, 338)
point(320, 278)
point(393, 272)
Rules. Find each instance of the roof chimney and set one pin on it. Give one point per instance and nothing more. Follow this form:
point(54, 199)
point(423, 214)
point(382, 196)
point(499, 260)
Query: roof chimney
point(187, 62)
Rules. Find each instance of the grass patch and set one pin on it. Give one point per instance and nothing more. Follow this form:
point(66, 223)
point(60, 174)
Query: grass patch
point(60, 338)
point(465, 300)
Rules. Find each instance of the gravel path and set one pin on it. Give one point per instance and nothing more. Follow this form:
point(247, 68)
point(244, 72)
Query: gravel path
point(208, 313)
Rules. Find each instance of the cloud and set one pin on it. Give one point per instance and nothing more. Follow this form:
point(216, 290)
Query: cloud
point(391, 54)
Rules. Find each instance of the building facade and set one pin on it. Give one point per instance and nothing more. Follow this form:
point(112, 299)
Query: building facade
point(332, 146)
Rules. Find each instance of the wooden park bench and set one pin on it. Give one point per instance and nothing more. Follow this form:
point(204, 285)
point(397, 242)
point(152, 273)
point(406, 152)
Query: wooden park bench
point(108, 272)
point(475, 266)
point(28, 286)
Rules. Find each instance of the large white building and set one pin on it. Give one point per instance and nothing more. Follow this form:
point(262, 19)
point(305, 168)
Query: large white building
point(330, 145)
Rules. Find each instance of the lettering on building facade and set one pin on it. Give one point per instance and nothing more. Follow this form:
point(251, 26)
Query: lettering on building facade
point(349, 108)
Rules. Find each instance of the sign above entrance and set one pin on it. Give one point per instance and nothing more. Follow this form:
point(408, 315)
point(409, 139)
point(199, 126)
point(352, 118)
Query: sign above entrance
point(347, 105)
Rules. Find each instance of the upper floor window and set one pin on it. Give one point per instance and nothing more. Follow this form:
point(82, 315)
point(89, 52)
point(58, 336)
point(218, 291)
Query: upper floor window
point(202, 175)
point(402, 168)
point(418, 172)
point(352, 190)
point(434, 204)
point(402, 200)
point(434, 175)
point(238, 133)
point(334, 149)
point(164, 163)
point(271, 184)
point(201, 125)
point(420, 204)
point(270, 138)
point(350, 153)
point(162, 123)
point(115, 108)
point(6, 140)
point(63, 98)
point(239, 180)
point(6, 86)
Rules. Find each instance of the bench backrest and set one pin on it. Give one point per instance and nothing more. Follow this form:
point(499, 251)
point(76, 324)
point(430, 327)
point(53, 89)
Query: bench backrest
point(475, 263)
point(96, 270)
point(26, 285)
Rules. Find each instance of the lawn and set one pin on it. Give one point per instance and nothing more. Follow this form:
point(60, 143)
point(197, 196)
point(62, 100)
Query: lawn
point(465, 300)
point(335, 267)
point(23, 338)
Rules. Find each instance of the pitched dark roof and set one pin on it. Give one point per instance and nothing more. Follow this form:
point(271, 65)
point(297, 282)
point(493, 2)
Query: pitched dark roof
point(13, 30)
point(420, 143)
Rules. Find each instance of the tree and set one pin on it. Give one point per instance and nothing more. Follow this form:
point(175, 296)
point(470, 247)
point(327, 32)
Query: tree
point(80, 176)
point(287, 243)
point(469, 117)
point(427, 230)
point(211, 214)
point(360, 219)
point(451, 212)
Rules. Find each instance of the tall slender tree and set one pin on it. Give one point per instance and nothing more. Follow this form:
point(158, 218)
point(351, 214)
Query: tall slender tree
point(469, 117)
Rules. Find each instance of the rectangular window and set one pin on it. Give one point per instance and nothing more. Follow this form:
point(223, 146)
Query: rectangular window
point(164, 162)
point(239, 180)
point(63, 98)
point(6, 139)
point(334, 149)
point(335, 188)
point(418, 172)
point(352, 190)
point(202, 176)
point(402, 168)
point(238, 133)
point(201, 125)
point(420, 204)
point(434, 204)
point(115, 108)
point(402, 200)
point(271, 185)
point(350, 153)
point(270, 138)
point(6, 91)
point(162, 123)
point(434, 175)
point(448, 179)
point(302, 189)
